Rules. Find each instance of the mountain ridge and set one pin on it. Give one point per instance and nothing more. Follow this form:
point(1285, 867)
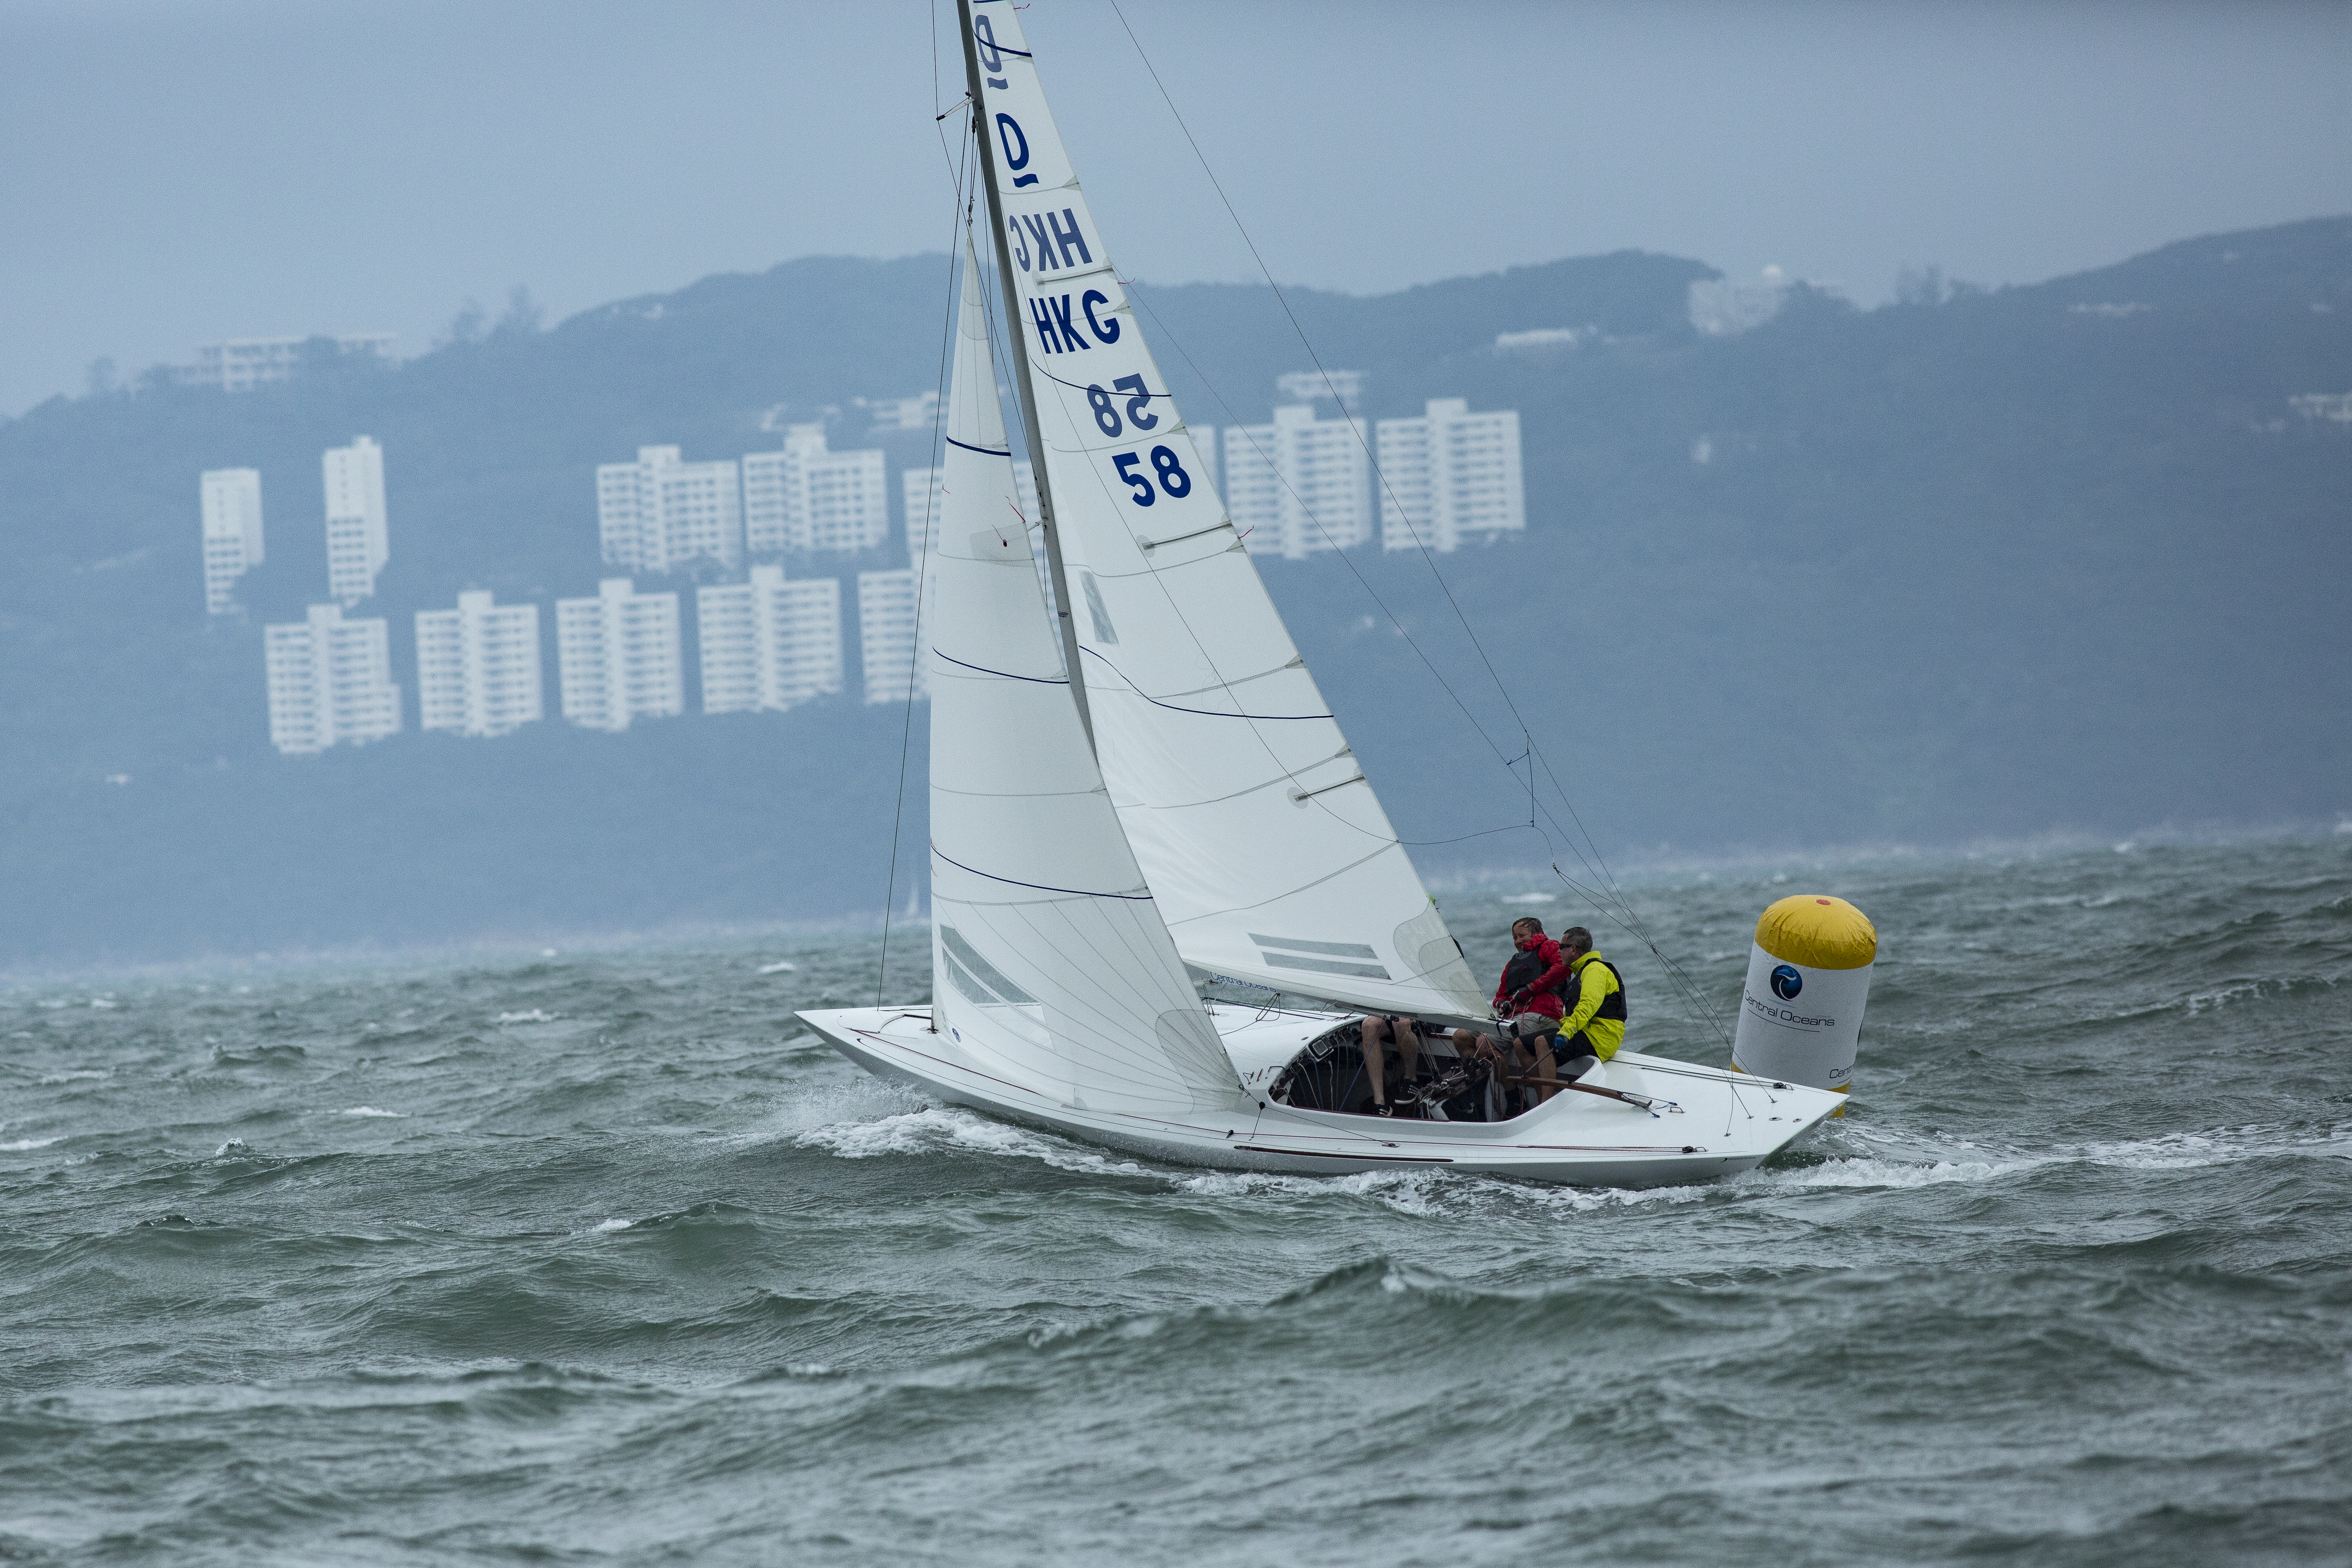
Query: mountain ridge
point(1993, 564)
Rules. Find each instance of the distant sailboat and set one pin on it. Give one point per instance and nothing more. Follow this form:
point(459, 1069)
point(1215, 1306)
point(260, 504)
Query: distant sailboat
point(1161, 792)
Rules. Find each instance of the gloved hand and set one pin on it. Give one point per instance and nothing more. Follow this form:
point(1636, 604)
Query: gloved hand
point(1519, 999)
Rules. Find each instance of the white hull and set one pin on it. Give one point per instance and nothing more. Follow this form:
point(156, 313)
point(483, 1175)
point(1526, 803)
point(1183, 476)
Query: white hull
point(1721, 1122)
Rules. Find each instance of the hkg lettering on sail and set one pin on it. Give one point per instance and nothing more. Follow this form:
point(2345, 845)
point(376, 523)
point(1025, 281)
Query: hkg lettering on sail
point(1057, 332)
point(1056, 246)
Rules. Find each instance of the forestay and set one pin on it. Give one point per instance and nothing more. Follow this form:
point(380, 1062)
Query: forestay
point(1265, 845)
point(1050, 960)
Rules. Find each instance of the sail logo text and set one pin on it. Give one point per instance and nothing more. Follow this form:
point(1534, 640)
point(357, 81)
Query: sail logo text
point(1784, 1016)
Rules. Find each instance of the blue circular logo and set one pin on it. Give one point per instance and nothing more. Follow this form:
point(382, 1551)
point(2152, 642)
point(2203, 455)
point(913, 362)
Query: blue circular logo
point(1786, 983)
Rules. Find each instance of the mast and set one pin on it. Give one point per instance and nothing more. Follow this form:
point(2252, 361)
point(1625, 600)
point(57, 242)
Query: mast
point(1026, 393)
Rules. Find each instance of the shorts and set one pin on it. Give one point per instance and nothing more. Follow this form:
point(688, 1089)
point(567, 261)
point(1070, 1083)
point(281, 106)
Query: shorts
point(1528, 1024)
point(1572, 1055)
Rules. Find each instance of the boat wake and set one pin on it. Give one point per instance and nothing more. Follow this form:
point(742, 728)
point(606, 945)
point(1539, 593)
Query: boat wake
point(949, 1130)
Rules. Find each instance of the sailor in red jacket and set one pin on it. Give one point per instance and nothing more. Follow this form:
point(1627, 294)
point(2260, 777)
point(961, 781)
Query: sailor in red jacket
point(1527, 1001)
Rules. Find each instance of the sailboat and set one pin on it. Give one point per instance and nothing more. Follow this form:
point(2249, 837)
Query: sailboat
point(1142, 790)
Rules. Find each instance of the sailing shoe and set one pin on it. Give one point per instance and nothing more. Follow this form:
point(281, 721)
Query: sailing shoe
point(1379, 1109)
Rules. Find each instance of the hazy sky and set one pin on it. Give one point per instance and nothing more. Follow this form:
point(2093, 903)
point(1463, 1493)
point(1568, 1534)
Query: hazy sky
point(173, 171)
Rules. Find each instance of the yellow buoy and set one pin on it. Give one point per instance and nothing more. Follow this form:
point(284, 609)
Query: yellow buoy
point(1808, 980)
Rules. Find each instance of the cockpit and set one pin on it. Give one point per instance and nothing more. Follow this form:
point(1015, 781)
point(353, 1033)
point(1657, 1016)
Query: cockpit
point(1328, 1074)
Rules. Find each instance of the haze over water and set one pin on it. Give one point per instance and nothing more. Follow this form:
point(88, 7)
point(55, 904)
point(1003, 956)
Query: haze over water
point(602, 1258)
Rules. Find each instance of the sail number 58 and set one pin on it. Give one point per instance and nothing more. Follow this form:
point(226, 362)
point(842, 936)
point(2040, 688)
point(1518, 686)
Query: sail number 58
point(1173, 477)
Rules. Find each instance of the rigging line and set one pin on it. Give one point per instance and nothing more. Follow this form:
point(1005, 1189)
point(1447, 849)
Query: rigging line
point(1054, 608)
point(1465, 838)
point(1692, 998)
point(1692, 994)
point(1160, 328)
point(1599, 900)
point(955, 175)
point(906, 728)
point(1012, 329)
point(1678, 982)
point(1193, 633)
point(1308, 343)
point(1419, 544)
point(1560, 790)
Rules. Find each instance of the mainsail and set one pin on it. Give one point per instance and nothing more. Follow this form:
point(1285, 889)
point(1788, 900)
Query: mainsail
point(1050, 959)
point(1265, 846)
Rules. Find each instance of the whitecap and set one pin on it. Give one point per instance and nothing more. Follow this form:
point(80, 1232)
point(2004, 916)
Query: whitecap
point(939, 1130)
point(2170, 1151)
point(1581, 1199)
point(860, 1099)
point(536, 1016)
point(2187, 1151)
point(235, 1145)
point(21, 1144)
point(369, 1111)
point(1407, 1191)
point(1867, 1171)
point(104, 1002)
point(79, 1074)
point(781, 966)
point(614, 1225)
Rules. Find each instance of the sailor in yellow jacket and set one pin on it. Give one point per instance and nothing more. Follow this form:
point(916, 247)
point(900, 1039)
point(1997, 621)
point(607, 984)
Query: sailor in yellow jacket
point(1595, 1025)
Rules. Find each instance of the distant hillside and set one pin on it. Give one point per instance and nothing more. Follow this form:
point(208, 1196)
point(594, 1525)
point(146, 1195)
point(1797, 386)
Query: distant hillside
point(1985, 563)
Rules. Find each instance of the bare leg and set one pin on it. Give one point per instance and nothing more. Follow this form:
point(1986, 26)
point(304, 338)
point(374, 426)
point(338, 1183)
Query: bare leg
point(1408, 1052)
point(1468, 1043)
point(1545, 1070)
point(1376, 1033)
point(1522, 1060)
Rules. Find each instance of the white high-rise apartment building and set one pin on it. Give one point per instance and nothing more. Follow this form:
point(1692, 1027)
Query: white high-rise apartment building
point(240, 365)
point(767, 643)
point(358, 541)
point(919, 412)
point(231, 499)
point(329, 682)
point(617, 655)
point(1300, 485)
point(806, 497)
point(886, 630)
point(660, 513)
point(1344, 387)
point(478, 667)
point(1451, 476)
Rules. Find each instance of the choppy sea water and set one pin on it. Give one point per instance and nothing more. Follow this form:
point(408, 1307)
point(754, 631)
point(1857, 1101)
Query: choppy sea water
point(602, 1258)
